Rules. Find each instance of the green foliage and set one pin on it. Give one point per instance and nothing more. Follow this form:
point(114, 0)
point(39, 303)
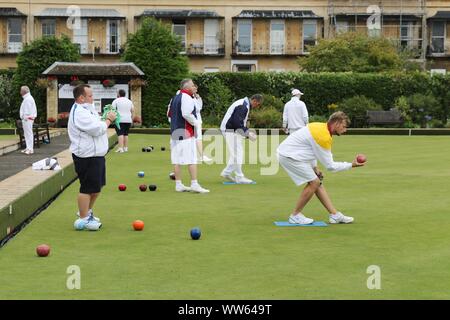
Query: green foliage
point(353, 52)
point(267, 117)
point(423, 108)
point(6, 95)
point(156, 51)
point(317, 118)
point(325, 89)
point(356, 108)
point(33, 60)
point(217, 97)
point(271, 101)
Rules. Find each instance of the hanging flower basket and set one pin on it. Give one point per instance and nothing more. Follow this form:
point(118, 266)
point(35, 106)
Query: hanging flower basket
point(75, 81)
point(137, 82)
point(108, 83)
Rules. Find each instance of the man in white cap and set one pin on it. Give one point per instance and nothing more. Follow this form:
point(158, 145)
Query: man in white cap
point(295, 114)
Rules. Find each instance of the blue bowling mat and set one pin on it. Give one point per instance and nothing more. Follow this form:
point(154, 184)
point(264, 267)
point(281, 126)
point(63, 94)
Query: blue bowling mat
point(231, 182)
point(287, 224)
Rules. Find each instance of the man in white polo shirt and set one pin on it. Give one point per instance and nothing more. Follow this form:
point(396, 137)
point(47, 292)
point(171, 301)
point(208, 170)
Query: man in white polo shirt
point(125, 108)
point(89, 145)
point(295, 114)
point(298, 155)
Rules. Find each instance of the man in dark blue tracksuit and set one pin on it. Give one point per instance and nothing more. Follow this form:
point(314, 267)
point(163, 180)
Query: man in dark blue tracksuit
point(234, 129)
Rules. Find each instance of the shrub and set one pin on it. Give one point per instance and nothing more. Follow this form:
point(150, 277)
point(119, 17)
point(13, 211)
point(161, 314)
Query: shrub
point(356, 109)
point(423, 108)
point(217, 98)
point(318, 118)
point(265, 118)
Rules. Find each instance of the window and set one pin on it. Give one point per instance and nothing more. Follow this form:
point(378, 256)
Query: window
point(243, 67)
point(438, 37)
point(211, 70)
point(244, 36)
point(112, 36)
point(276, 36)
point(179, 29)
point(309, 34)
point(14, 35)
point(406, 34)
point(211, 36)
point(48, 27)
point(341, 27)
point(80, 36)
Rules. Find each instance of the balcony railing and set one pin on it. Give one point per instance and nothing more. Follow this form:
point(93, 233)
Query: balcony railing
point(201, 49)
point(11, 47)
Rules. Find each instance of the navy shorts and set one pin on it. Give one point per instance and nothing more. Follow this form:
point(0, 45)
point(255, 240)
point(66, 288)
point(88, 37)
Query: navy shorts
point(124, 128)
point(91, 173)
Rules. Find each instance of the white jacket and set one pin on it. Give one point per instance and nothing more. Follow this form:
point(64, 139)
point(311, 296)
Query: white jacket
point(87, 132)
point(28, 107)
point(295, 114)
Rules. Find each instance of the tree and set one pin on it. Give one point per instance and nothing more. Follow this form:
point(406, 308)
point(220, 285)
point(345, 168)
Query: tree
point(34, 59)
point(156, 51)
point(353, 52)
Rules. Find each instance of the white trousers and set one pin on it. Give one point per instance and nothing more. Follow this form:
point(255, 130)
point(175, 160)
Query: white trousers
point(234, 143)
point(28, 133)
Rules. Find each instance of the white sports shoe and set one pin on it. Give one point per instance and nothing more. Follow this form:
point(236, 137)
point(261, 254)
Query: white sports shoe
point(119, 150)
point(340, 218)
point(87, 224)
point(93, 225)
point(243, 180)
point(24, 150)
point(206, 159)
point(182, 188)
point(228, 177)
point(90, 215)
point(198, 189)
point(28, 152)
point(125, 149)
point(300, 219)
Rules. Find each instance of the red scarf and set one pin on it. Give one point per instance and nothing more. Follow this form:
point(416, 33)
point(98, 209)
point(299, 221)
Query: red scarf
point(187, 92)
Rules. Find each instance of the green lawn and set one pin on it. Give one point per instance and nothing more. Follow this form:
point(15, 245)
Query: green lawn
point(9, 137)
point(400, 202)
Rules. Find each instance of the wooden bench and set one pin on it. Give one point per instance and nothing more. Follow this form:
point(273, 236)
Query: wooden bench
point(40, 131)
point(386, 118)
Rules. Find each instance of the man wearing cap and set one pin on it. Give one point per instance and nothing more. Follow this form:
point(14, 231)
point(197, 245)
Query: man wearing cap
point(295, 114)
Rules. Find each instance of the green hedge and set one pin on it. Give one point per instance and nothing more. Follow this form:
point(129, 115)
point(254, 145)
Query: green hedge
point(323, 89)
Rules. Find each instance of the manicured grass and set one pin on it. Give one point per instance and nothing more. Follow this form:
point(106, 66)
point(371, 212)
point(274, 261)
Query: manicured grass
point(399, 200)
point(9, 137)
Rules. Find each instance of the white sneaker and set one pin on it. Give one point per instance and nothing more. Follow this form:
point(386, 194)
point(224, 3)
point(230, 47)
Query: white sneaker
point(197, 188)
point(125, 149)
point(228, 177)
point(24, 150)
point(182, 188)
point(206, 159)
point(93, 225)
point(119, 150)
point(300, 219)
point(90, 215)
point(28, 152)
point(87, 224)
point(340, 218)
point(243, 180)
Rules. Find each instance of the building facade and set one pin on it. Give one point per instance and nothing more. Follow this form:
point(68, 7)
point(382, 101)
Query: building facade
point(219, 35)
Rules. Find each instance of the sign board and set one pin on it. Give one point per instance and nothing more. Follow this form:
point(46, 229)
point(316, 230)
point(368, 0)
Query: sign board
point(99, 91)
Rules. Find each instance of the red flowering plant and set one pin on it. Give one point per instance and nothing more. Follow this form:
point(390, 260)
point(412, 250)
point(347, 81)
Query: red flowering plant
point(51, 119)
point(108, 83)
point(74, 81)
